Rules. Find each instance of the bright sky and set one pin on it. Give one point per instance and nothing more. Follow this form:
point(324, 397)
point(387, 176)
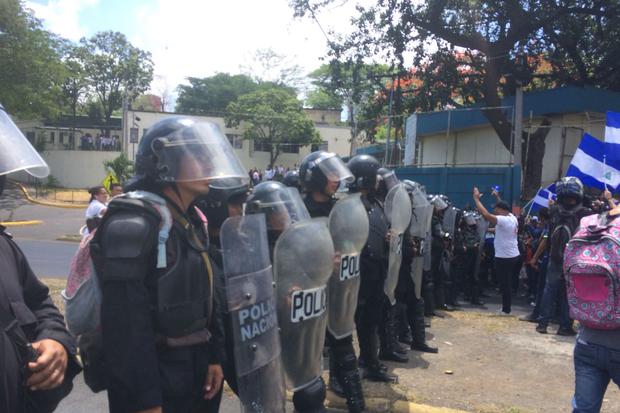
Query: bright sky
point(199, 37)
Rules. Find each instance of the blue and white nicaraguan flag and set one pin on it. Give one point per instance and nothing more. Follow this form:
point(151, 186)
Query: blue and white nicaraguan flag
point(541, 200)
point(612, 135)
point(590, 166)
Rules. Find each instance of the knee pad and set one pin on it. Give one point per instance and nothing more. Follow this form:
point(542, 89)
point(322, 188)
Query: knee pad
point(310, 399)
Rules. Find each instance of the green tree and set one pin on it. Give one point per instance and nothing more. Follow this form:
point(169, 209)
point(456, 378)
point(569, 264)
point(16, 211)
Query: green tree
point(274, 117)
point(115, 68)
point(75, 85)
point(212, 94)
point(322, 99)
point(120, 166)
point(477, 52)
point(31, 71)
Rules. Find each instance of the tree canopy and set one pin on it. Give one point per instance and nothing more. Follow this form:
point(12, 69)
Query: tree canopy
point(468, 52)
point(115, 67)
point(31, 70)
point(274, 117)
point(213, 94)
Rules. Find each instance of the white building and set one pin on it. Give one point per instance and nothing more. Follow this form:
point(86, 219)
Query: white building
point(76, 161)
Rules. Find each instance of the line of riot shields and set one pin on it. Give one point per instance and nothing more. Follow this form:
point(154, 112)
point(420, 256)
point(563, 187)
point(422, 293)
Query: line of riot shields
point(290, 278)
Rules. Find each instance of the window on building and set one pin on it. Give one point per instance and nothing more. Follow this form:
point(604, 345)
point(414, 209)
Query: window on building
point(290, 147)
point(30, 136)
point(320, 147)
point(52, 137)
point(418, 153)
point(235, 140)
point(61, 138)
point(260, 146)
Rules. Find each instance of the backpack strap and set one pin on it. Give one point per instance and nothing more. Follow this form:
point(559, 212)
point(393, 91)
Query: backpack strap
point(164, 231)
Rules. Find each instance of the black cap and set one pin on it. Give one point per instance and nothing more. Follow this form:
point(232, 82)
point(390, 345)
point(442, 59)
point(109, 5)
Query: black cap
point(502, 205)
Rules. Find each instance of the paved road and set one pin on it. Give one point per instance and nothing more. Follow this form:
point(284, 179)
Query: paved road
point(83, 400)
point(48, 258)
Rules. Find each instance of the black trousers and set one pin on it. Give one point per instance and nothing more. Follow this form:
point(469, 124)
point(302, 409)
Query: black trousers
point(368, 313)
point(505, 270)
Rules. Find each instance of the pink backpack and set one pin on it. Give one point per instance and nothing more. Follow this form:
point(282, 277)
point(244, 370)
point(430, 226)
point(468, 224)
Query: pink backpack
point(592, 271)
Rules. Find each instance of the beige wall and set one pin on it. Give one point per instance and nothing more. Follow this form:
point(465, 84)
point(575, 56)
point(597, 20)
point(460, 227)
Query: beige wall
point(78, 169)
point(481, 146)
point(337, 139)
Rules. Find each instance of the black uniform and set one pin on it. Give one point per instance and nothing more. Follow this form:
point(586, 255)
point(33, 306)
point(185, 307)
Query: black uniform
point(373, 267)
point(467, 242)
point(155, 322)
point(433, 284)
point(24, 299)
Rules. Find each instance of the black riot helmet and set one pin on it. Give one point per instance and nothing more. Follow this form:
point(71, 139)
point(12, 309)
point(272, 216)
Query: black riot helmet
point(179, 149)
point(364, 168)
point(569, 192)
point(17, 154)
point(320, 167)
point(291, 179)
point(221, 194)
point(281, 205)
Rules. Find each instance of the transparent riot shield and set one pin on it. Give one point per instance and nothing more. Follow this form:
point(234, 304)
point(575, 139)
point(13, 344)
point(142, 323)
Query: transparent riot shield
point(348, 225)
point(420, 226)
point(303, 263)
point(449, 220)
point(481, 226)
point(398, 212)
point(252, 308)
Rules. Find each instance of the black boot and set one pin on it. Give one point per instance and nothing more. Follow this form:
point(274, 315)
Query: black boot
point(334, 383)
point(310, 398)
point(349, 378)
point(416, 317)
point(404, 332)
point(376, 373)
point(390, 350)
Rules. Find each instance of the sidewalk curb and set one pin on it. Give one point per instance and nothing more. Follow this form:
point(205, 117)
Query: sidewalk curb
point(47, 203)
point(20, 223)
point(383, 405)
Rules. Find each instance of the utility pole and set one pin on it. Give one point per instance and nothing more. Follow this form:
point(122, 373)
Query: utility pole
point(518, 125)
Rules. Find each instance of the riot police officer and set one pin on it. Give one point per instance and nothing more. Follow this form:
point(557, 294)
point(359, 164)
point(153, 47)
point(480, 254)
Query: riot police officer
point(303, 259)
point(389, 348)
point(466, 253)
point(224, 200)
point(433, 288)
point(373, 267)
point(320, 174)
point(38, 353)
point(160, 314)
point(291, 179)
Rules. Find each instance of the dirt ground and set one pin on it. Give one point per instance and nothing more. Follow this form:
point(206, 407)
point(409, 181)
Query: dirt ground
point(499, 365)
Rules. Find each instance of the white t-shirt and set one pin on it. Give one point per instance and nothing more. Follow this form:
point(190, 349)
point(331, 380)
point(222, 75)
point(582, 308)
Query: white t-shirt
point(506, 230)
point(94, 209)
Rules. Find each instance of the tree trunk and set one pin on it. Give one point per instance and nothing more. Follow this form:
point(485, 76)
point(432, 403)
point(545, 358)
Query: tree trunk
point(533, 164)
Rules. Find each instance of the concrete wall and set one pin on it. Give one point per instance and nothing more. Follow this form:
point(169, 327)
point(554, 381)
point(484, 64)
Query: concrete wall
point(337, 138)
point(481, 146)
point(78, 169)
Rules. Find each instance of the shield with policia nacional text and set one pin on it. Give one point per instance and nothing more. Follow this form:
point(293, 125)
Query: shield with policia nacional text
point(398, 213)
point(252, 308)
point(348, 225)
point(421, 219)
point(303, 263)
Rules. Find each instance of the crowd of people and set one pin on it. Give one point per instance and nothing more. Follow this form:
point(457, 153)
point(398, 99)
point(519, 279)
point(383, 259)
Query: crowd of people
point(203, 275)
point(275, 173)
point(99, 142)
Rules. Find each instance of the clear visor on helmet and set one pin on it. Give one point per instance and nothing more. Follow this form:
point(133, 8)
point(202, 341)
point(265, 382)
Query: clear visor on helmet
point(390, 180)
point(17, 153)
point(281, 208)
point(334, 169)
point(198, 152)
point(439, 203)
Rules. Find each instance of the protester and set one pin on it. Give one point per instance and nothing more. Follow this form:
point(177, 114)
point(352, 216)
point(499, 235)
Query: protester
point(116, 190)
point(507, 256)
point(97, 206)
